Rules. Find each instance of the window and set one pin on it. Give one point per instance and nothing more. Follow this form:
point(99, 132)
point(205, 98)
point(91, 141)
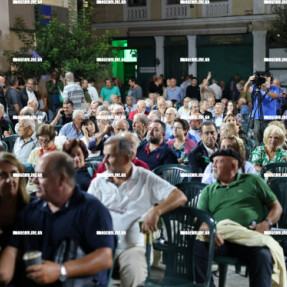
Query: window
point(136, 3)
point(173, 2)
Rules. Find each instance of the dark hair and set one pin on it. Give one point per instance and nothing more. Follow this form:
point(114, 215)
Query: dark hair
point(13, 81)
point(133, 79)
point(207, 123)
point(72, 143)
point(46, 130)
point(184, 124)
point(92, 119)
point(68, 102)
point(109, 79)
point(163, 126)
point(55, 75)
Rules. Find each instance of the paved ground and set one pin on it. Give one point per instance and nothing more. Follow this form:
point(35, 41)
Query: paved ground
point(233, 279)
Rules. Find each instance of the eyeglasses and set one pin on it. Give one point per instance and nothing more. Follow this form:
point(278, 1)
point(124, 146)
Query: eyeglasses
point(44, 141)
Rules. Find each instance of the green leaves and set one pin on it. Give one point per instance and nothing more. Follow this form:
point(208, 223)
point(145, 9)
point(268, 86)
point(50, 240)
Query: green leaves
point(63, 48)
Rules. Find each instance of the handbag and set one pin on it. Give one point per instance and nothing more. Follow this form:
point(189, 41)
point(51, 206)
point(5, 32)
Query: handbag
point(69, 249)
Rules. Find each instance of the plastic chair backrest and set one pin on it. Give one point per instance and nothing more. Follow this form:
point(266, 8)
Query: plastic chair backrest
point(181, 247)
point(57, 128)
point(276, 167)
point(4, 146)
point(173, 173)
point(279, 187)
point(192, 190)
point(10, 141)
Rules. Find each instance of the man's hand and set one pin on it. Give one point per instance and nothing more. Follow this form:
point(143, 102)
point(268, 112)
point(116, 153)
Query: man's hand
point(46, 273)
point(59, 113)
point(218, 241)
point(150, 222)
point(251, 78)
point(108, 129)
point(260, 227)
point(7, 133)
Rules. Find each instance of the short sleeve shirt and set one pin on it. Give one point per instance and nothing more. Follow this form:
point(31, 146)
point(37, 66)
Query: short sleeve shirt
point(131, 201)
point(242, 201)
point(79, 219)
point(259, 156)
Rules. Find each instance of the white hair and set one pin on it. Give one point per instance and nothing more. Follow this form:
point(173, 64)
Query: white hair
point(174, 110)
point(191, 103)
point(34, 102)
point(2, 107)
point(169, 104)
point(149, 103)
point(69, 76)
point(29, 123)
point(77, 113)
point(125, 121)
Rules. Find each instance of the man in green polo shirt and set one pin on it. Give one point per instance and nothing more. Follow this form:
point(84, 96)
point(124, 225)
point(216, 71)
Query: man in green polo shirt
point(109, 90)
point(240, 198)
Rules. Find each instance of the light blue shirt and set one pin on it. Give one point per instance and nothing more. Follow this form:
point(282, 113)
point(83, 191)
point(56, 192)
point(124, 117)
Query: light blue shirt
point(69, 131)
point(175, 94)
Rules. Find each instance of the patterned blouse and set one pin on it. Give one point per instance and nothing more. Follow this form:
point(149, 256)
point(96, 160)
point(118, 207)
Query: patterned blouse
point(260, 157)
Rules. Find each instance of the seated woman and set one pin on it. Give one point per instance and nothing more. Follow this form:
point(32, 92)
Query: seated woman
point(231, 109)
point(235, 143)
point(13, 196)
point(90, 130)
point(46, 138)
point(271, 151)
point(233, 119)
point(181, 144)
point(78, 151)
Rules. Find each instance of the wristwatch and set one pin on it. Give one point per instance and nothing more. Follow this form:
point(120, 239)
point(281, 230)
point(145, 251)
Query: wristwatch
point(269, 222)
point(63, 273)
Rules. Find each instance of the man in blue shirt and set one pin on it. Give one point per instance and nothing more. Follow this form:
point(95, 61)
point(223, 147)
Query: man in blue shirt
point(73, 129)
point(61, 214)
point(156, 152)
point(264, 105)
point(174, 93)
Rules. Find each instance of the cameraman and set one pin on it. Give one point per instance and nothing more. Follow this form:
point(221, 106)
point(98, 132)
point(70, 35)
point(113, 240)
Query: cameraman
point(64, 115)
point(264, 97)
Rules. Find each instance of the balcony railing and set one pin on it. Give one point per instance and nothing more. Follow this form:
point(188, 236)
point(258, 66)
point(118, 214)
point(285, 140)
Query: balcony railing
point(135, 13)
point(216, 9)
point(176, 11)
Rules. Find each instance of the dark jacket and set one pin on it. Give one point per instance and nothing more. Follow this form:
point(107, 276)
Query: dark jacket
point(24, 96)
point(53, 89)
point(198, 160)
point(2, 98)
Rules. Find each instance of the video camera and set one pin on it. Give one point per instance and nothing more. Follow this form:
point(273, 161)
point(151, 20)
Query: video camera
point(259, 79)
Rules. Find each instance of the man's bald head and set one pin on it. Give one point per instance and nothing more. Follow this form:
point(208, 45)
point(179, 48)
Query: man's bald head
point(58, 162)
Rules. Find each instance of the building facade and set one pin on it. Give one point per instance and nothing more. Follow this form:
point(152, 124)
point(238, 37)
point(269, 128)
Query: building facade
point(164, 33)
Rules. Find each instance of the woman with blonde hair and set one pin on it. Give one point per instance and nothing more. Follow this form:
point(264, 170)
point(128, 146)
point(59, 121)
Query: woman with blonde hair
point(271, 151)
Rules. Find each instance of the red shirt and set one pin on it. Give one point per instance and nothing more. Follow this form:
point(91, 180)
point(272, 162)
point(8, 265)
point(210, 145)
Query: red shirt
point(136, 162)
point(133, 113)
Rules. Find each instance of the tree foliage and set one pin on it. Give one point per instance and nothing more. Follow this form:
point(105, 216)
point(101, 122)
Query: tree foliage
point(279, 26)
point(74, 47)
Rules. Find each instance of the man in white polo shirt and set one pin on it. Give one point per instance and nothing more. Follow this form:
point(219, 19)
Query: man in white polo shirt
point(130, 200)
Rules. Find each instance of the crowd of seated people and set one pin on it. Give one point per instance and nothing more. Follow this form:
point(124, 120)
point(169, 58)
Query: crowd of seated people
point(127, 136)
